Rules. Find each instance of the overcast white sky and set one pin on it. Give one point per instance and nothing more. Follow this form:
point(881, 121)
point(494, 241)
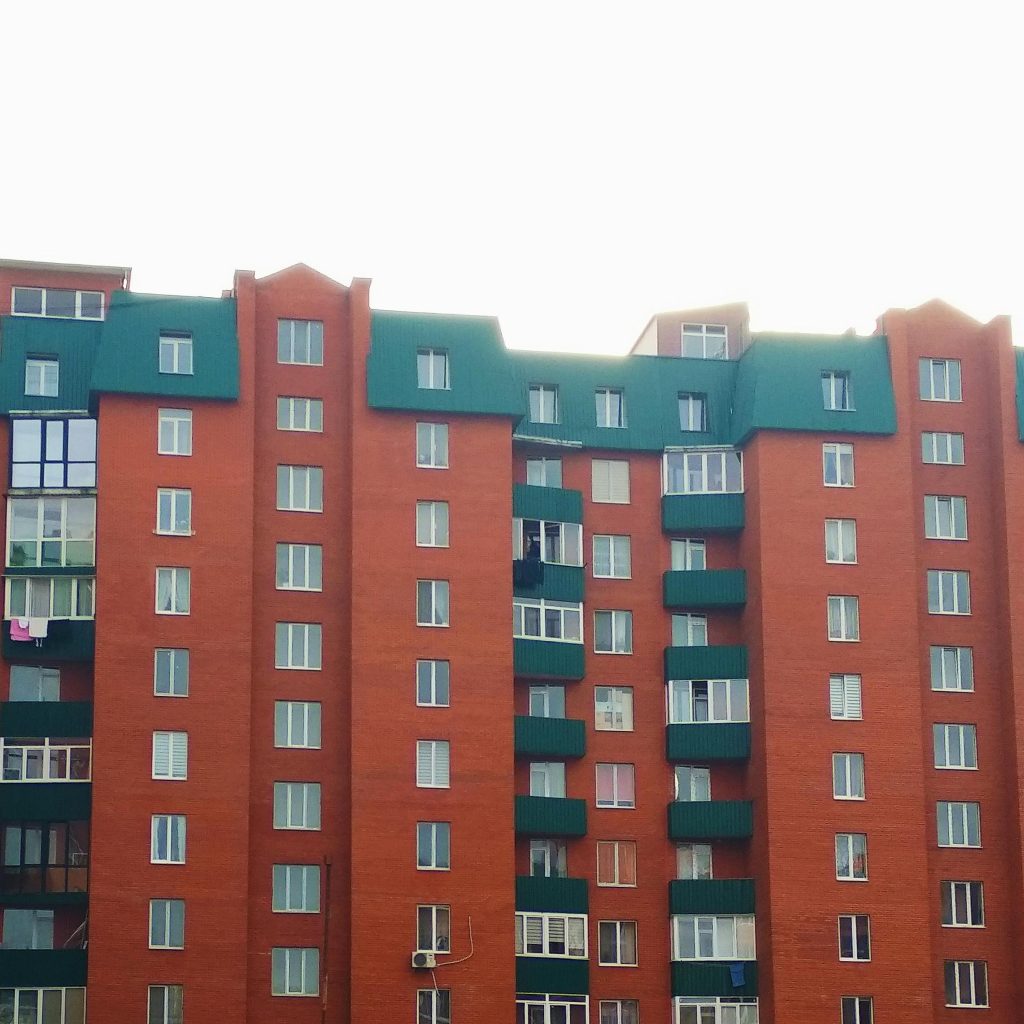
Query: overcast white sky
point(569, 167)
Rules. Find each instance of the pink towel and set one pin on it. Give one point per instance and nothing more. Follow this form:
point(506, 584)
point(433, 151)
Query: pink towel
point(19, 631)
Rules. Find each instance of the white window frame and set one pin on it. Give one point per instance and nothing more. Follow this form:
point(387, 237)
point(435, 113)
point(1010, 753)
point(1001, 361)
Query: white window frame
point(543, 403)
point(848, 768)
point(173, 657)
point(297, 964)
point(566, 538)
point(615, 551)
point(432, 524)
point(433, 1006)
point(690, 627)
point(955, 746)
point(618, 1011)
point(965, 902)
point(169, 504)
point(843, 618)
point(619, 645)
point(837, 390)
point(169, 1004)
point(162, 924)
point(298, 646)
point(300, 414)
point(845, 697)
point(726, 700)
point(617, 716)
point(954, 814)
point(429, 683)
point(725, 1009)
point(566, 613)
point(696, 789)
point(298, 724)
point(170, 756)
point(179, 581)
point(29, 762)
point(605, 489)
point(174, 432)
point(697, 468)
point(621, 773)
point(693, 412)
point(433, 839)
point(947, 387)
point(433, 372)
point(847, 843)
point(620, 930)
point(720, 928)
point(553, 925)
point(302, 797)
point(967, 994)
point(849, 922)
point(547, 700)
point(952, 592)
point(21, 510)
point(694, 861)
point(435, 609)
point(618, 847)
point(300, 562)
point(547, 779)
point(297, 488)
point(550, 856)
point(945, 517)
point(428, 445)
point(544, 472)
point(951, 664)
point(438, 931)
point(289, 881)
point(941, 448)
point(44, 297)
point(433, 764)
point(688, 554)
point(42, 377)
point(610, 408)
point(42, 684)
point(710, 338)
point(168, 836)
point(863, 1008)
point(27, 596)
point(292, 335)
point(841, 541)
point(178, 346)
point(842, 458)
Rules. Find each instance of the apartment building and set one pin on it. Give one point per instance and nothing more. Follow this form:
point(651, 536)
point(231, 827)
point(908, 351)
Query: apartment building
point(358, 668)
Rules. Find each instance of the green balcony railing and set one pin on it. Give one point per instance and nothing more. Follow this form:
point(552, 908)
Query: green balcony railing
point(550, 816)
point(555, 975)
point(708, 741)
point(711, 513)
point(557, 504)
point(45, 801)
point(46, 718)
point(723, 661)
point(705, 588)
point(549, 580)
point(711, 896)
point(550, 737)
point(42, 968)
point(43, 900)
point(547, 659)
point(65, 640)
point(709, 978)
point(552, 895)
point(710, 819)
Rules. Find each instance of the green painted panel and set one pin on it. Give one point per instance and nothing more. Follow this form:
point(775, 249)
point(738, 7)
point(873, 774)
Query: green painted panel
point(705, 588)
point(721, 661)
point(708, 741)
point(712, 979)
point(45, 801)
point(561, 976)
point(43, 899)
point(128, 360)
point(708, 513)
point(547, 659)
point(43, 968)
point(46, 718)
point(50, 570)
point(66, 640)
point(73, 342)
point(710, 819)
point(1019, 355)
point(554, 737)
point(552, 895)
point(560, 583)
point(711, 896)
point(550, 816)
point(558, 504)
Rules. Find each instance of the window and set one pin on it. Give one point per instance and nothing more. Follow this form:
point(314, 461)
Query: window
point(63, 302)
point(715, 1010)
point(616, 862)
point(297, 724)
point(166, 1004)
point(53, 453)
point(294, 971)
point(432, 524)
point(708, 700)
point(300, 342)
point(170, 755)
point(959, 823)
point(432, 603)
point(433, 1006)
point(42, 377)
point(956, 746)
point(27, 929)
point(689, 630)
point(551, 935)
point(613, 708)
point(713, 937)
point(942, 449)
point(297, 805)
point(167, 844)
point(30, 683)
point(547, 778)
point(45, 761)
point(432, 445)
point(547, 858)
point(433, 929)
point(616, 943)
point(836, 392)
point(297, 645)
point(615, 785)
point(619, 1011)
point(544, 472)
point(940, 380)
point(174, 511)
point(300, 414)
point(44, 857)
point(841, 540)
point(170, 672)
point(966, 982)
point(705, 341)
point(952, 668)
point(851, 857)
point(300, 567)
point(843, 618)
point(688, 555)
point(45, 532)
point(175, 352)
point(854, 937)
point(173, 591)
point(300, 488)
point(432, 764)
point(296, 889)
point(692, 784)
point(837, 460)
point(693, 861)
point(432, 369)
point(611, 557)
point(547, 700)
point(945, 517)
point(611, 407)
point(703, 472)
point(610, 481)
point(844, 700)
point(963, 904)
point(61, 597)
point(548, 540)
point(613, 632)
point(433, 846)
point(543, 403)
point(174, 432)
point(949, 592)
point(547, 620)
point(848, 776)
point(432, 684)
point(41, 1005)
point(857, 1010)
point(166, 924)
point(692, 412)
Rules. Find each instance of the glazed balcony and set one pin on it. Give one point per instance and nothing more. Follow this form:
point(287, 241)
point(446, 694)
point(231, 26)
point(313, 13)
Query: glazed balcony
point(549, 737)
point(710, 819)
point(705, 588)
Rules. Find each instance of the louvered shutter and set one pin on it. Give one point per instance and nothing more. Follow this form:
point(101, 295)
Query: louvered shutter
point(179, 755)
point(534, 935)
point(161, 755)
point(618, 482)
point(852, 695)
point(424, 763)
point(440, 763)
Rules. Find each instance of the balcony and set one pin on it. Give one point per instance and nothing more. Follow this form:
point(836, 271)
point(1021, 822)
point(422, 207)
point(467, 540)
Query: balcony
point(557, 504)
point(552, 895)
point(711, 896)
point(46, 718)
point(708, 741)
point(551, 580)
point(66, 640)
point(557, 975)
point(710, 819)
point(549, 737)
point(550, 816)
point(42, 968)
point(723, 661)
point(705, 588)
point(547, 659)
point(45, 801)
point(708, 513)
point(709, 978)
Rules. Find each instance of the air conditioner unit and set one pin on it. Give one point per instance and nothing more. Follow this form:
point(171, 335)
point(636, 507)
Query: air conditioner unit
point(424, 961)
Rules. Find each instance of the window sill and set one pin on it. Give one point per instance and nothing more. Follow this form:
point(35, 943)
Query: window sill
point(174, 533)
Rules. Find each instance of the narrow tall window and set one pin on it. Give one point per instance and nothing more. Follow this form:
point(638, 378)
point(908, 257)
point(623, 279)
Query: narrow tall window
point(848, 776)
point(432, 369)
point(843, 618)
point(42, 377)
point(841, 540)
point(432, 524)
point(173, 591)
point(432, 445)
point(940, 380)
point(836, 392)
point(543, 403)
point(613, 632)
point(298, 645)
point(433, 684)
point(610, 481)
point(174, 511)
point(300, 488)
point(300, 342)
point(956, 746)
point(693, 412)
point(952, 668)
point(174, 435)
point(166, 924)
point(837, 463)
point(433, 1006)
point(611, 407)
point(945, 517)
point(433, 759)
point(851, 857)
point(168, 839)
point(949, 592)
point(854, 937)
point(300, 414)
point(433, 929)
point(959, 823)
point(432, 603)
point(166, 1005)
point(942, 449)
point(433, 845)
point(963, 904)
point(170, 755)
point(844, 697)
point(175, 352)
point(294, 971)
point(170, 672)
point(297, 806)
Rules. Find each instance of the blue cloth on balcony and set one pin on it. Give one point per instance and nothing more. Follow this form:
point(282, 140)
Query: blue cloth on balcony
point(738, 975)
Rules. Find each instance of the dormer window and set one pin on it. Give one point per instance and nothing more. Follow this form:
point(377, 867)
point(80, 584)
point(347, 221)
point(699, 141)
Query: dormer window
point(67, 303)
point(705, 341)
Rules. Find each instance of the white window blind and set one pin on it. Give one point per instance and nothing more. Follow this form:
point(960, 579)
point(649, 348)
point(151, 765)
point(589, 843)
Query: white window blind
point(170, 755)
point(432, 764)
point(844, 696)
